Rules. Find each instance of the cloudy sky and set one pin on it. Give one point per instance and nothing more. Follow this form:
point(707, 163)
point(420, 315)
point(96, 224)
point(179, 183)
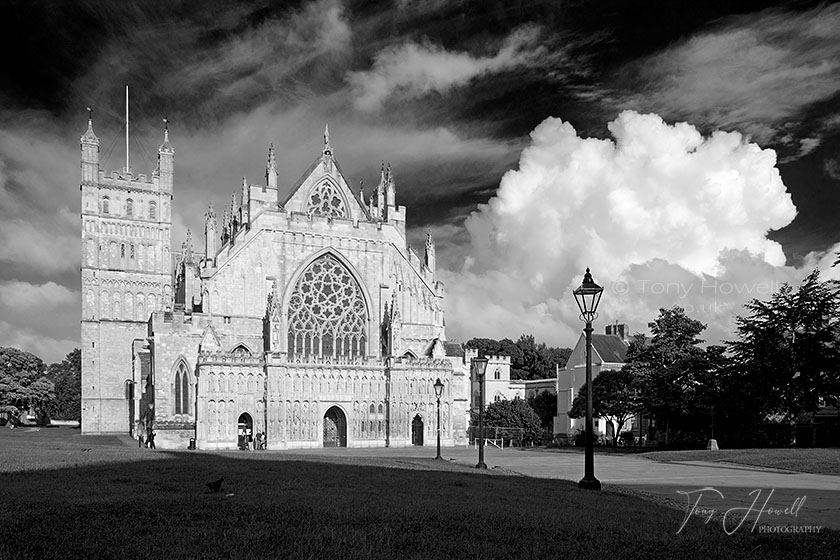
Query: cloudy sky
point(688, 152)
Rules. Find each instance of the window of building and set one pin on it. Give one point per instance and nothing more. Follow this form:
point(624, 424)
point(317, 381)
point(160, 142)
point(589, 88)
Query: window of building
point(497, 374)
point(131, 252)
point(182, 389)
point(327, 314)
point(497, 398)
point(106, 205)
point(153, 210)
point(129, 208)
point(325, 200)
point(122, 250)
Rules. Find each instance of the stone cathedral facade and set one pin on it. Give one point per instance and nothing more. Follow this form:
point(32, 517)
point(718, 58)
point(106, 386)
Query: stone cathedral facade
point(306, 317)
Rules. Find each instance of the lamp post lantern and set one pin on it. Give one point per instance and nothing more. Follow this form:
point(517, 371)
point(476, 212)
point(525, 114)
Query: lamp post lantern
point(438, 393)
point(587, 296)
point(479, 366)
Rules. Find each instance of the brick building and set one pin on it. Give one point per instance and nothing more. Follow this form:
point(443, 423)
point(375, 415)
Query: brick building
point(306, 317)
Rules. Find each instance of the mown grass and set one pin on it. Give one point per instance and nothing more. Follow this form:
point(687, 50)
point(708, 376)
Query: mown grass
point(81, 497)
point(817, 461)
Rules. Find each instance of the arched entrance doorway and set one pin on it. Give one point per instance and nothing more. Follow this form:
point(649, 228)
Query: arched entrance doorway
point(335, 428)
point(245, 431)
point(417, 431)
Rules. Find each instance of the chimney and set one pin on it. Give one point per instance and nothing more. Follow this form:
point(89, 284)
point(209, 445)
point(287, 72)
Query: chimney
point(618, 329)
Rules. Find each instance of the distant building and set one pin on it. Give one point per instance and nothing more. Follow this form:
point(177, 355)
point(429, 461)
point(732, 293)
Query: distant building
point(609, 352)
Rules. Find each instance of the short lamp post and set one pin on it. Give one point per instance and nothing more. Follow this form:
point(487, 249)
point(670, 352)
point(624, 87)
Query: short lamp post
point(438, 393)
point(479, 367)
point(587, 296)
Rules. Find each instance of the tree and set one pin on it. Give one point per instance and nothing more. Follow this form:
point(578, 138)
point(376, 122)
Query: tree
point(787, 353)
point(528, 360)
point(511, 414)
point(18, 370)
point(615, 398)
point(669, 369)
point(41, 396)
point(67, 376)
point(544, 404)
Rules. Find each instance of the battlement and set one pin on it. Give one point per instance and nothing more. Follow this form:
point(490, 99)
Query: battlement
point(497, 360)
point(226, 358)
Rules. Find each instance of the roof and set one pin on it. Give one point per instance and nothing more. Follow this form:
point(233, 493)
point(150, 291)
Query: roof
point(454, 349)
point(611, 348)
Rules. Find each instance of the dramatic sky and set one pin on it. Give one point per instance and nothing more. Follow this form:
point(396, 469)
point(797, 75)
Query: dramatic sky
point(688, 152)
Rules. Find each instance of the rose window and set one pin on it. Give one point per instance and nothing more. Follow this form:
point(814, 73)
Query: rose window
point(327, 314)
point(325, 200)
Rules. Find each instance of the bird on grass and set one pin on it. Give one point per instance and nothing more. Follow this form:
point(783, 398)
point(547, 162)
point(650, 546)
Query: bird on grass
point(216, 485)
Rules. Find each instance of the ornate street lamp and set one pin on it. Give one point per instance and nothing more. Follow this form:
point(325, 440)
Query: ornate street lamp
point(438, 393)
point(587, 296)
point(479, 366)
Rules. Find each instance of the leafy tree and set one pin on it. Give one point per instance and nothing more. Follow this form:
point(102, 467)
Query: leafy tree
point(67, 376)
point(544, 404)
point(18, 371)
point(511, 414)
point(670, 369)
point(528, 360)
point(787, 354)
point(41, 396)
point(615, 398)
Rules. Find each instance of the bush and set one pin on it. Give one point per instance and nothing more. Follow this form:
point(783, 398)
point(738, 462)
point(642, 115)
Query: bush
point(627, 438)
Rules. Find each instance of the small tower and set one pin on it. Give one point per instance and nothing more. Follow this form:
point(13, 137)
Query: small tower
point(225, 227)
point(166, 160)
point(390, 190)
point(327, 156)
point(430, 254)
point(90, 152)
point(271, 168)
point(210, 237)
point(235, 218)
point(245, 208)
point(380, 194)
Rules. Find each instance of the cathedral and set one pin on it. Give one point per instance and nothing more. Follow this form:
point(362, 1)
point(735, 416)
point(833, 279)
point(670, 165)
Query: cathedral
point(306, 319)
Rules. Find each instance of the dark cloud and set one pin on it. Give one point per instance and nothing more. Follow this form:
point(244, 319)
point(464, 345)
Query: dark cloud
point(460, 87)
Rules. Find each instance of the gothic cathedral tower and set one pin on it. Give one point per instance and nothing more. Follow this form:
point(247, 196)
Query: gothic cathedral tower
point(126, 275)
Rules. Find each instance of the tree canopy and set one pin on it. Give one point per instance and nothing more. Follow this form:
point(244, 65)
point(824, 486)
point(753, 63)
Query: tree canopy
point(615, 398)
point(528, 360)
point(787, 352)
point(511, 414)
point(67, 377)
point(19, 370)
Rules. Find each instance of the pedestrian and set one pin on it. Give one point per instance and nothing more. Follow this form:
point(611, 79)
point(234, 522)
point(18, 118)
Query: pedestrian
point(141, 434)
point(151, 438)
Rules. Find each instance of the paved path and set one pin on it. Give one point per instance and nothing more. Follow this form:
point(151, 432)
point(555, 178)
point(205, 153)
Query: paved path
point(810, 499)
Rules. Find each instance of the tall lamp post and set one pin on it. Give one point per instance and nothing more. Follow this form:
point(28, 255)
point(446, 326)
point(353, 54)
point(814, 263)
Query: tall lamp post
point(438, 393)
point(479, 366)
point(587, 296)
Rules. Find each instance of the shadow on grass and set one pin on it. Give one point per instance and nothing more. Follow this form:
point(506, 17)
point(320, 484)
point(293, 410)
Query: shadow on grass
point(122, 502)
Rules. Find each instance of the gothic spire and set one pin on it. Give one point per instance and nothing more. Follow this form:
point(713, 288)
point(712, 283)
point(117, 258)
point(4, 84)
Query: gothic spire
point(327, 148)
point(210, 218)
point(166, 147)
point(186, 248)
point(89, 136)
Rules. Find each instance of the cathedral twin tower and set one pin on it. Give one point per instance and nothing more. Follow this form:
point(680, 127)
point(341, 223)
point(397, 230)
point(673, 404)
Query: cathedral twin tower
point(307, 318)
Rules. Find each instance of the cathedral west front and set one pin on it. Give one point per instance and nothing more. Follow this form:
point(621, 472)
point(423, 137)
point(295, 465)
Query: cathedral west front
point(304, 317)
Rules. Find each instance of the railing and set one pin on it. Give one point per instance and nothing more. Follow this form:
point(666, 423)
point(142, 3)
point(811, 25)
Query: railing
point(499, 437)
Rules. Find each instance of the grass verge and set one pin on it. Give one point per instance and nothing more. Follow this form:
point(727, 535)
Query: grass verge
point(82, 497)
point(816, 461)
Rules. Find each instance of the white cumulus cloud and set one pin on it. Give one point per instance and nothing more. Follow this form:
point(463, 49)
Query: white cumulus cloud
point(662, 215)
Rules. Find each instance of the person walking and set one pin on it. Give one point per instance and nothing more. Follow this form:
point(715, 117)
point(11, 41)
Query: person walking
point(151, 439)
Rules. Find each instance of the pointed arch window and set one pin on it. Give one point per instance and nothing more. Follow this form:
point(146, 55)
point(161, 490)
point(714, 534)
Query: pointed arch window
point(327, 313)
point(129, 208)
point(152, 210)
point(106, 205)
point(182, 389)
point(325, 200)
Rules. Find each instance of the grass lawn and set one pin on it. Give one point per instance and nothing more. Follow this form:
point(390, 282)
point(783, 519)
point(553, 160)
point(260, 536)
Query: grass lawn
point(817, 461)
point(69, 496)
